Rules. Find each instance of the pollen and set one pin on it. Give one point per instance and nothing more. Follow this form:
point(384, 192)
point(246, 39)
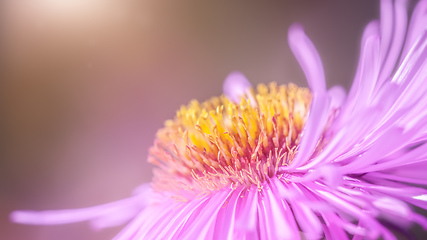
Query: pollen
point(219, 143)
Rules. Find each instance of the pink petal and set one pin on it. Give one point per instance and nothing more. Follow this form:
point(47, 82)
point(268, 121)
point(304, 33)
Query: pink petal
point(312, 130)
point(110, 214)
point(308, 58)
point(224, 226)
point(237, 86)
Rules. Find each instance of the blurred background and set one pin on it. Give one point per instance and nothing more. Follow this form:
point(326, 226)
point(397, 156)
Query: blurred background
point(85, 84)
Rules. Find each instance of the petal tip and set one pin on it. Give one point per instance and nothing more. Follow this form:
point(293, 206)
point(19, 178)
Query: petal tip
point(19, 216)
point(296, 28)
point(236, 85)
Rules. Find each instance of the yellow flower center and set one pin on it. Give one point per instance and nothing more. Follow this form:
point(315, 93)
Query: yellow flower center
point(219, 143)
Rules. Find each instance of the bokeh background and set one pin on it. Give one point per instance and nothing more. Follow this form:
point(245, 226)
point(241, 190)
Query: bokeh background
point(85, 84)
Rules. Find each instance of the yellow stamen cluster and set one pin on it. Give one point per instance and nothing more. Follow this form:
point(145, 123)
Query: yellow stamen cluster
point(219, 143)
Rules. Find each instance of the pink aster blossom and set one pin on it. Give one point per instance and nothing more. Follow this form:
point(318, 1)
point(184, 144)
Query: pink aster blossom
point(354, 168)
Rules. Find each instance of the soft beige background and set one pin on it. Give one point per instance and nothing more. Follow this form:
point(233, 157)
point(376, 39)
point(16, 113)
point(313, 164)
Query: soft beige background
point(85, 84)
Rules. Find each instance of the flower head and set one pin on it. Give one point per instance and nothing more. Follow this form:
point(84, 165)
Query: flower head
point(283, 162)
point(220, 144)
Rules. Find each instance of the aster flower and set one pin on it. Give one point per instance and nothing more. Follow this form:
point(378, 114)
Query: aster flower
point(283, 162)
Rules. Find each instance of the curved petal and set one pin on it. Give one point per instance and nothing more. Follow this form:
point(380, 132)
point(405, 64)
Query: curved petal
point(417, 25)
point(313, 130)
point(110, 214)
point(236, 86)
point(225, 224)
point(391, 48)
point(365, 80)
point(308, 58)
point(338, 95)
point(386, 11)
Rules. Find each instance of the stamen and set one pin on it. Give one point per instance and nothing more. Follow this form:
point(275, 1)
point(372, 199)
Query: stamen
point(220, 143)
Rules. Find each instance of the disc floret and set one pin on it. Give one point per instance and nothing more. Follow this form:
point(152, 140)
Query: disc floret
point(220, 143)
